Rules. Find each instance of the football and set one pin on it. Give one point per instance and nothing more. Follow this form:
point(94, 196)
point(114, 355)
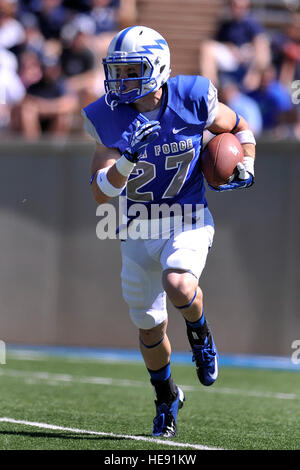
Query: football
point(220, 158)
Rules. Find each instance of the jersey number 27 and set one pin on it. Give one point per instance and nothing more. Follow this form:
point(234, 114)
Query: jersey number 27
point(146, 172)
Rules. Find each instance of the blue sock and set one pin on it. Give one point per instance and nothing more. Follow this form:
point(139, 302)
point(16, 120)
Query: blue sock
point(164, 385)
point(198, 323)
point(197, 331)
point(162, 374)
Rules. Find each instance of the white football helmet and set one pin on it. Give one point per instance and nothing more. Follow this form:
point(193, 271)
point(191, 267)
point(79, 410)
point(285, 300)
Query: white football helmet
point(136, 45)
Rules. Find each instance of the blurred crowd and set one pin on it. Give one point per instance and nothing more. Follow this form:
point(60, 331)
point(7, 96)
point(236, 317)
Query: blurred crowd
point(50, 57)
point(255, 70)
point(50, 65)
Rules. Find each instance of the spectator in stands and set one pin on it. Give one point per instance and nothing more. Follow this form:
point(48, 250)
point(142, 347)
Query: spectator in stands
point(33, 39)
point(77, 59)
point(39, 32)
point(11, 31)
point(105, 16)
point(30, 68)
point(242, 104)
point(88, 34)
point(274, 101)
point(52, 15)
point(286, 51)
point(240, 49)
point(47, 106)
point(12, 90)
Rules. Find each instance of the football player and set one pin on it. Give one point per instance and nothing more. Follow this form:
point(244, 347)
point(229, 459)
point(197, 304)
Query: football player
point(153, 126)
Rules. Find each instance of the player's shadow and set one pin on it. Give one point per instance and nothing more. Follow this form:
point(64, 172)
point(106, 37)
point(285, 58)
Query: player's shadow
point(38, 434)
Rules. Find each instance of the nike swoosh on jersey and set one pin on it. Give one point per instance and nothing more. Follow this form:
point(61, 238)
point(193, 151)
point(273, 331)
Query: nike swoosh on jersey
point(215, 374)
point(175, 131)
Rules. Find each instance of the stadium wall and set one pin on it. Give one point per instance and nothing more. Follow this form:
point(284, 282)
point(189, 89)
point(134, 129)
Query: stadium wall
point(59, 284)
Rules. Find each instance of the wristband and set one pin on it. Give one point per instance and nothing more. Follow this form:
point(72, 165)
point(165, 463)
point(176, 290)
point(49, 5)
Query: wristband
point(246, 137)
point(124, 166)
point(106, 187)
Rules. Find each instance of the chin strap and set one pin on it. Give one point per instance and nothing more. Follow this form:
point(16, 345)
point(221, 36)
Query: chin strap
point(111, 103)
point(125, 98)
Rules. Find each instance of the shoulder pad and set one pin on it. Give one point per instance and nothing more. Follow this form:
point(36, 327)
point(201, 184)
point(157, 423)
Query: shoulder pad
point(190, 93)
point(111, 126)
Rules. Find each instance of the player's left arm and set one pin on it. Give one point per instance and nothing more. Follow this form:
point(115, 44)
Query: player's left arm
point(227, 120)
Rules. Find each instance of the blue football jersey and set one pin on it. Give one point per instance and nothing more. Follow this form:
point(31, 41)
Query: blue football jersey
point(169, 171)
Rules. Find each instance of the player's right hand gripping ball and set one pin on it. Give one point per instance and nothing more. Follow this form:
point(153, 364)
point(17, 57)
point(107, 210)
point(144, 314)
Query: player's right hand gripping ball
point(223, 164)
point(142, 135)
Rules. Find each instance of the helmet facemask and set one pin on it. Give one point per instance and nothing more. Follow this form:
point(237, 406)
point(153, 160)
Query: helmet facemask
point(115, 86)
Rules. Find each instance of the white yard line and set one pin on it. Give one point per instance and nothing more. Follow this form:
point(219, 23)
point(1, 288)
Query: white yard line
point(56, 379)
point(47, 376)
point(109, 434)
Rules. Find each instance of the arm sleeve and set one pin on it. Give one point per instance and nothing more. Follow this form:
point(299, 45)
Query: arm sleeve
point(212, 104)
point(90, 128)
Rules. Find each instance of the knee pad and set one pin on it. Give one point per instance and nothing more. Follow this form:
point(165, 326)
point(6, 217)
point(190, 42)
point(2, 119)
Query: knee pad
point(146, 320)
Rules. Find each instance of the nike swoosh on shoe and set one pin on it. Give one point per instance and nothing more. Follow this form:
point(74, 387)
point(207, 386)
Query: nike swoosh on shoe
point(215, 374)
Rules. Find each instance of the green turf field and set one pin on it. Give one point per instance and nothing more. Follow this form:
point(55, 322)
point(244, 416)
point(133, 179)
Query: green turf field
point(245, 409)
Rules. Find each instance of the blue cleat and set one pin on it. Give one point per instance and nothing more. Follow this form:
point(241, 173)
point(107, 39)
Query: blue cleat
point(165, 421)
point(207, 361)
